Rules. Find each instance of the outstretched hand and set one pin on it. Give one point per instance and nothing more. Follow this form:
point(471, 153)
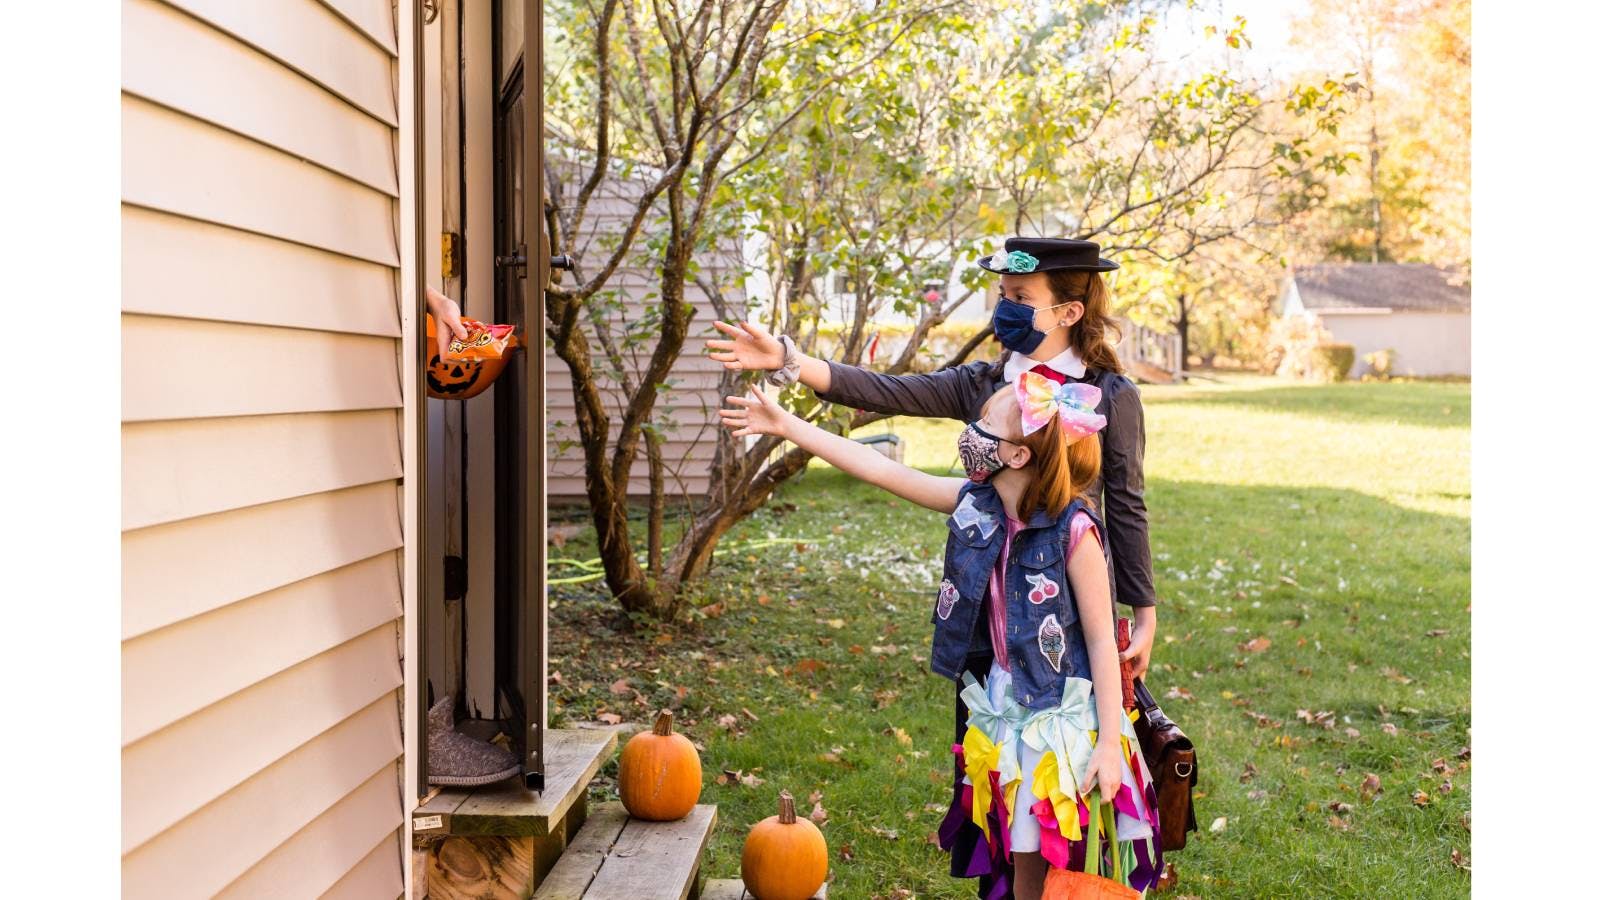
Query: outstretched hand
point(752, 347)
point(755, 414)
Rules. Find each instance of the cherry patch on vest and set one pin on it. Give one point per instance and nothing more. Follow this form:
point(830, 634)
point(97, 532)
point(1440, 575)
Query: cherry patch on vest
point(1043, 588)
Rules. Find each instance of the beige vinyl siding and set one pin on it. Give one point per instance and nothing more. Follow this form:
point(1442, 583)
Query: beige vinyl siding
point(261, 441)
point(692, 403)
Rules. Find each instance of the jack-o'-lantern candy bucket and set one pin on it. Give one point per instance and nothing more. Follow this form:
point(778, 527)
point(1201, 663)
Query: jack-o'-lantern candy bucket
point(470, 365)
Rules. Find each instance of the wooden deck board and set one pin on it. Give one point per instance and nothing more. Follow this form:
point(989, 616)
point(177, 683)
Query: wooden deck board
point(655, 860)
point(582, 858)
point(733, 889)
point(506, 808)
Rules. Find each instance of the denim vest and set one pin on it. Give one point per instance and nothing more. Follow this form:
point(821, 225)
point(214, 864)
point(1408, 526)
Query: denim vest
point(1044, 639)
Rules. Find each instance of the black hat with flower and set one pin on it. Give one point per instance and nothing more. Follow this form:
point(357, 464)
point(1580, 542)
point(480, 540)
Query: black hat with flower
point(1024, 255)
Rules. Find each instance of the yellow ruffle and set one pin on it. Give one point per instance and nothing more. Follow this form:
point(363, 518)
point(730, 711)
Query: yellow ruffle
point(1047, 786)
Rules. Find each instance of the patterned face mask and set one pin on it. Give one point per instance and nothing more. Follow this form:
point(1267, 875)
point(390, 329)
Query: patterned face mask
point(980, 452)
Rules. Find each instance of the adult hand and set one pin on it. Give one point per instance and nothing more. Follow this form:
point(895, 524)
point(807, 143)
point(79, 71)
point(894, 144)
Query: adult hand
point(446, 313)
point(756, 414)
point(1141, 640)
point(750, 347)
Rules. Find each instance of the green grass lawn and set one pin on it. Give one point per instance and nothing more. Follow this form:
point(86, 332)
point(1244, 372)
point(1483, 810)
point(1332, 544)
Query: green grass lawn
point(1328, 525)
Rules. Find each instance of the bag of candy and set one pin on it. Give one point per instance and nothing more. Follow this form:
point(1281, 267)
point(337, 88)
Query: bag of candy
point(471, 365)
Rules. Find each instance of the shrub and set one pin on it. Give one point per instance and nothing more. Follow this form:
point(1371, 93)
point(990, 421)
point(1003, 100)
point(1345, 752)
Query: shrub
point(1331, 361)
point(1381, 362)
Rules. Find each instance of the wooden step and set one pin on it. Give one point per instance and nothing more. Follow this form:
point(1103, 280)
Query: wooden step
point(615, 857)
point(507, 808)
point(733, 889)
point(497, 841)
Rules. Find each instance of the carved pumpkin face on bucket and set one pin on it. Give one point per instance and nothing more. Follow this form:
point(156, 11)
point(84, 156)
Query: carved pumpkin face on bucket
point(471, 365)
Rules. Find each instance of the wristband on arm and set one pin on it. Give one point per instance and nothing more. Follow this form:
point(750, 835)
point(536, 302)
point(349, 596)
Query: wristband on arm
point(790, 372)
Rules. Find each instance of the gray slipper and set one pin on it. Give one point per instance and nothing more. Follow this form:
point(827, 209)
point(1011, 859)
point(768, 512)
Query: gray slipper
point(457, 760)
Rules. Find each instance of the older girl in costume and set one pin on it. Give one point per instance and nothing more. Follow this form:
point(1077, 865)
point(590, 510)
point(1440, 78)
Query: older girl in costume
point(1025, 603)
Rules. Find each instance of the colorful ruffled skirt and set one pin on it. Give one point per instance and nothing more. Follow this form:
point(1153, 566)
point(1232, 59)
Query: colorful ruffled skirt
point(1018, 788)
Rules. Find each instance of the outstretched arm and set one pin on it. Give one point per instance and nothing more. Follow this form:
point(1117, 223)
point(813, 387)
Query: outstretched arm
point(952, 393)
point(757, 414)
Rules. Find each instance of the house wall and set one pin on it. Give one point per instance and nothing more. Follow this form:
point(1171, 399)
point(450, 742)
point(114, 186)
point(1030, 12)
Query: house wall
point(1425, 343)
point(261, 439)
point(688, 412)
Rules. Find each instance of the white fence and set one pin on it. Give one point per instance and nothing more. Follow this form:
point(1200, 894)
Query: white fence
point(1154, 349)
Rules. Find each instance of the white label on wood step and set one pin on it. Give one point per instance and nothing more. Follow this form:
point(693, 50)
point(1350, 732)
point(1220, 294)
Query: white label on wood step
point(427, 823)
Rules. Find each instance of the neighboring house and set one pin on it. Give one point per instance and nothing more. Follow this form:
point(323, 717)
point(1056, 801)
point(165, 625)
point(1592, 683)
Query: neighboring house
point(692, 402)
point(1421, 312)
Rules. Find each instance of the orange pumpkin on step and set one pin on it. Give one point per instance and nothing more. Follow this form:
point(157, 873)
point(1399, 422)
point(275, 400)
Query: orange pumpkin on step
point(785, 856)
point(659, 773)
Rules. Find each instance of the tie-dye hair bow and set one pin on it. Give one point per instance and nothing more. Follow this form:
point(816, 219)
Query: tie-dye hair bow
point(1072, 403)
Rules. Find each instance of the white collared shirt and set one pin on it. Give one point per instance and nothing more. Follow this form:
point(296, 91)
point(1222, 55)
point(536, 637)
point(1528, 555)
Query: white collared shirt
point(1066, 362)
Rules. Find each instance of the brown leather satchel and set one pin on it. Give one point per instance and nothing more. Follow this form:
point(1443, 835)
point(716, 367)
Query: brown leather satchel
point(1170, 757)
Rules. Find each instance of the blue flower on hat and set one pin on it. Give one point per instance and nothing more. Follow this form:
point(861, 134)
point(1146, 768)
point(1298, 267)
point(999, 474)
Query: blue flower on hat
point(1018, 261)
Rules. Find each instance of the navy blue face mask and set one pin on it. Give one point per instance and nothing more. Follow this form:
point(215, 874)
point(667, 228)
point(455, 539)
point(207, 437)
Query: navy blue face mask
point(1013, 326)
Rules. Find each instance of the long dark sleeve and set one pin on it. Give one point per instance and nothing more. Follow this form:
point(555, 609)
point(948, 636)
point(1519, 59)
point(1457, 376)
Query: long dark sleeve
point(1127, 521)
point(953, 393)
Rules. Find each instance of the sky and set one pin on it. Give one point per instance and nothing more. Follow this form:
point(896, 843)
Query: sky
point(1266, 25)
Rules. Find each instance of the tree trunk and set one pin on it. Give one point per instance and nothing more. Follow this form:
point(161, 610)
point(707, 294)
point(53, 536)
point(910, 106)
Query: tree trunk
point(1183, 331)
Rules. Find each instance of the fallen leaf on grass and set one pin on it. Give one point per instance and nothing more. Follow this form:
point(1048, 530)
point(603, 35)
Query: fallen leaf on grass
point(1219, 824)
point(1323, 718)
point(846, 852)
point(902, 737)
point(1466, 820)
point(1339, 806)
point(1393, 674)
point(1419, 797)
point(1442, 767)
point(835, 623)
point(1338, 824)
point(1461, 862)
point(1437, 632)
point(818, 815)
point(1287, 580)
point(1352, 733)
point(1263, 720)
point(1446, 787)
point(1371, 786)
point(1179, 693)
point(750, 714)
point(728, 721)
point(1257, 795)
point(739, 776)
point(1248, 773)
point(621, 687)
point(763, 600)
point(713, 610)
point(888, 834)
point(1389, 728)
point(1255, 644)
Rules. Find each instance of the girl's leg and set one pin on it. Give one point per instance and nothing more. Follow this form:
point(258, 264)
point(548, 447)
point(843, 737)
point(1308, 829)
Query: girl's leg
point(1028, 881)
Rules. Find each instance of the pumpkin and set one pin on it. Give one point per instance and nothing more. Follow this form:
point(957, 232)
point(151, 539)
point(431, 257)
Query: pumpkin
point(659, 773)
point(785, 857)
point(472, 365)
